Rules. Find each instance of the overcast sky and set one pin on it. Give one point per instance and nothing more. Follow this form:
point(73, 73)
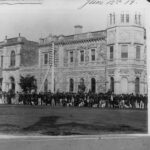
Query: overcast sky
point(53, 17)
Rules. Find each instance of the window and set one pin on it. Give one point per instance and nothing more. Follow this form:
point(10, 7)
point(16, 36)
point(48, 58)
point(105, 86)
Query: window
point(81, 56)
point(122, 18)
point(127, 18)
point(112, 84)
point(111, 52)
point(71, 88)
point(139, 19)
point(110, 18)
point(71, 56)
point(114, 17)
point(45, 59)
point(93, 85)
point(12, 83)
point(93, 54)
point(135, 18)
point(124, 51)
point(138, 51)
point(2, 61)
point(137, 85)
point(46, 86)
point(81, 86)
point(12, 59)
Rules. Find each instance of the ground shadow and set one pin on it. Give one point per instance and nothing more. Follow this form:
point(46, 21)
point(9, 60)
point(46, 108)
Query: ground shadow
point(50, 126)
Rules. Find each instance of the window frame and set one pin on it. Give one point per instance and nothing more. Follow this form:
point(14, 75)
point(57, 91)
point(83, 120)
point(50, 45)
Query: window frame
point(44, 60)
point(12, 58)
point(71, 85)
point(93, 56)
point(122, 57)
point(138, 51)
point(111, 53)
point(82, 59)
point(127, 18)
point(71, 57)
point(122, 18)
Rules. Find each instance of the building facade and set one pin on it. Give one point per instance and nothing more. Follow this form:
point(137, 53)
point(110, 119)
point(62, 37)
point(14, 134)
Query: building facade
point(18, 55)
point(112, 59)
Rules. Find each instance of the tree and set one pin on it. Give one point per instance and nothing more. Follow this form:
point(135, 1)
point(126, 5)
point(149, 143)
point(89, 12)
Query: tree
point(28, 83)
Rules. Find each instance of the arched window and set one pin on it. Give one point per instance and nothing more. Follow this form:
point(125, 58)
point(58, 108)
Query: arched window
point(124, 85)
point(12, 82)
point(12, 59)
point(81, 81)
point(112, 84)
point(46, 86)
point(71, 85)
point(137, 85)
point(93, 85)
point(81, 86)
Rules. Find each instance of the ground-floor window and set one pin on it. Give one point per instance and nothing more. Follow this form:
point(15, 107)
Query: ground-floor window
point(46, 86)
point(137, 85)
point(93, 85)
point(12, 82)
point(71, 87)
point(112, 84)
point(81, 86)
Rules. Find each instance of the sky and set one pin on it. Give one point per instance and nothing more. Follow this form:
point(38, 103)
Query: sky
point(54, 17)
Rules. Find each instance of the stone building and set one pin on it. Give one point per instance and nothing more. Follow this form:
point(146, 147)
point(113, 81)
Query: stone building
point(17, 57)
point(113, 59)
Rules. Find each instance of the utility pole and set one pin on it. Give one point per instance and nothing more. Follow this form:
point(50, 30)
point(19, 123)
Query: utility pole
point(52, 67)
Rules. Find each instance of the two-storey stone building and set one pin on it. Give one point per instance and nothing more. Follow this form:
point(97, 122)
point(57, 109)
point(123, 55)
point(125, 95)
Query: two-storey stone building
point(18, 56)
point(112, 59)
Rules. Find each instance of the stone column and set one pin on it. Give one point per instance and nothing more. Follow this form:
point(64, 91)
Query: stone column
point(131, 86)
point(117, 87)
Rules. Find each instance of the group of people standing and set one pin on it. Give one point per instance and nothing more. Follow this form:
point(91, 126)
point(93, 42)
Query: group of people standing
point(80, 99)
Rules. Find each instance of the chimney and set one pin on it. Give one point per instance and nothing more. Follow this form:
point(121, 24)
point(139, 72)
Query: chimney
point(78, 29)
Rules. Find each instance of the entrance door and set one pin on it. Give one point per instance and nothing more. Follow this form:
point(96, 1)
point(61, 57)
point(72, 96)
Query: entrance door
point(12, 83)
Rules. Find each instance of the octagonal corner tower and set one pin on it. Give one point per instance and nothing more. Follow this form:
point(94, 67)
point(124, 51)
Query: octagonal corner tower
point(126, 53)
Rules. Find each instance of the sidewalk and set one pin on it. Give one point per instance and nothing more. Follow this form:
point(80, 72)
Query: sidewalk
point(109, 142)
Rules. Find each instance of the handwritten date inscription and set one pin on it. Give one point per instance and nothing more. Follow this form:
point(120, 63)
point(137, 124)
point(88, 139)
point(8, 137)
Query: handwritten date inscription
point(108, 2)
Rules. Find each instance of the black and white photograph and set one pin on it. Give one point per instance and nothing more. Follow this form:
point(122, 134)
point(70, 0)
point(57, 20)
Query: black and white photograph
point(74, 69)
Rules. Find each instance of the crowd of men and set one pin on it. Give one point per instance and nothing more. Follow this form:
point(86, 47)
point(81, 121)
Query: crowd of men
point(80, 99)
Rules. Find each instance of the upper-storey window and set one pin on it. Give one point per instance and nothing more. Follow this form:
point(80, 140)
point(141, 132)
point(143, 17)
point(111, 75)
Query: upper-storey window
point(114, 19)
point(93, 55)
point(71, 87)
point(139, 16)
point(111, 18)
point(12, 59)
point(135, 18)
point(138, 19)
point(82, 55)
point(138, 52)
point(124, 51)
point(111, 52)
point(122, 18)
point(2, 61)
point(127, 18)
point(71, 56)
point(45, 58)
